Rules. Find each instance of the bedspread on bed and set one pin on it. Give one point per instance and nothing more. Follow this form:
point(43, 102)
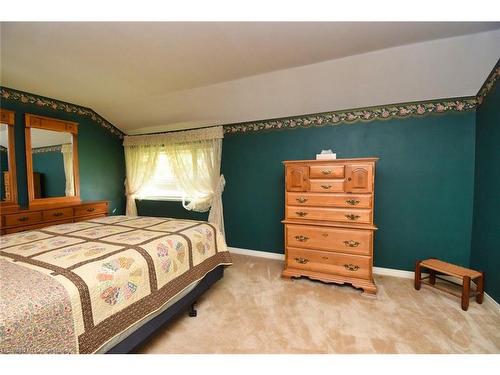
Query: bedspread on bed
point(70, 288)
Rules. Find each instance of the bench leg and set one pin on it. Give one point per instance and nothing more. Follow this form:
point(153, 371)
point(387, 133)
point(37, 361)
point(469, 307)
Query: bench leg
point(418, 275)
point(432, 277)
point(480, 288)
point(465, 293)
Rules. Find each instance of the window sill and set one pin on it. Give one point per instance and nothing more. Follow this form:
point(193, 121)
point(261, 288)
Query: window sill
point(169, 199)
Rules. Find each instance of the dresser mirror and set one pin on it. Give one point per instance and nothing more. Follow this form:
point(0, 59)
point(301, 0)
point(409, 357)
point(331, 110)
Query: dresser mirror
point(51, 160)
point(8, 179)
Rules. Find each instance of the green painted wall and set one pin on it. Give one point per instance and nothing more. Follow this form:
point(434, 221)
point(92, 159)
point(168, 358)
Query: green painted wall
point(100, 154)
point(50, 165)
point(485, 249)
point(424, 184)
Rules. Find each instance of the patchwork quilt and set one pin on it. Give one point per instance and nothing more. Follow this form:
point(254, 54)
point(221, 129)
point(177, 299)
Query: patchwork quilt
point(70, 288)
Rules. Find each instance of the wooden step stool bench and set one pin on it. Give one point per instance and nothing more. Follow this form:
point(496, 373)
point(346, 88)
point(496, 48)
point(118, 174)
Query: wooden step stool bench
point(437, 267)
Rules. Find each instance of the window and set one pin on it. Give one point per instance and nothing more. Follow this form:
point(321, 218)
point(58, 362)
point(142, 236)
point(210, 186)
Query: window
point(163, 185)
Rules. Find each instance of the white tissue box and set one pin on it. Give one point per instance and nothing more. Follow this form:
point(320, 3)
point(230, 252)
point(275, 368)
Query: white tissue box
point(326, 156)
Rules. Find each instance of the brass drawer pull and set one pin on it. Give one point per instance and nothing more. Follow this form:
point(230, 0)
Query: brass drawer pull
point(326, 186)
point(301, 213)
point(352, 217)
point(351, 267)
point(23, 218)
point(301, 199)
point(301, 260)
point(301, 238)
point(352, 202)
point(326, 171)
point(57, 214)
point(351, 243)
point(91, 209)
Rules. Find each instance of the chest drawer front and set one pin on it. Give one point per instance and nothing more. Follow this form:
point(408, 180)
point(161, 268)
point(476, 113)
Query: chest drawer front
point(329, 200)
point(326, 171)
point(331, 263)
point(350, 241)
point(343, 215)
point(326, 186)
point(91, 209)
point(23, 219)
point(56, 214)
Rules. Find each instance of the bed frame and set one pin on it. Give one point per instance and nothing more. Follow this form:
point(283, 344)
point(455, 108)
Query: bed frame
point(186, 303)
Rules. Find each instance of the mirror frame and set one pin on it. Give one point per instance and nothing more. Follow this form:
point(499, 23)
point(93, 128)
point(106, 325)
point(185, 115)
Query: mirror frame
point(47, 123)
point(8, 118)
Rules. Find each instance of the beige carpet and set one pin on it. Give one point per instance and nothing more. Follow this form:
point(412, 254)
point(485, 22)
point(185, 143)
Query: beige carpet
point(253, 310)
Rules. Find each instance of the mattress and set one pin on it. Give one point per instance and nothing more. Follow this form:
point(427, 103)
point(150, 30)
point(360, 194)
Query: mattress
point(83, 287)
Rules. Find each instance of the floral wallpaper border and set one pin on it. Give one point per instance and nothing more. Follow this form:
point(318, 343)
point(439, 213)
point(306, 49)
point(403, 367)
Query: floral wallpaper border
point(39, 150)
point(489, 83)
point(56, 105)
point(385, 112)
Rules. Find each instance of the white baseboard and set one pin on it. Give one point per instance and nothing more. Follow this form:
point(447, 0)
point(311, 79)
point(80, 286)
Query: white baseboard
point(376, 270)
point(256, 253)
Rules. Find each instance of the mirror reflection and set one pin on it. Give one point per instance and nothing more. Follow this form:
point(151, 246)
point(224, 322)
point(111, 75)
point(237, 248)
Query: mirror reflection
point(52, 158)
point(5, 193)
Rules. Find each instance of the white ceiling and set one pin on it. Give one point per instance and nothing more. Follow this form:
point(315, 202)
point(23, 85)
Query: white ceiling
point(131, 73)
point(46, 138)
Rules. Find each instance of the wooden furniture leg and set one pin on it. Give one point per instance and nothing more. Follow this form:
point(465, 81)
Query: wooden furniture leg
point(432, 277)
point(192, 311)
point(418, 275)
point(465, 293)
point(480, 288)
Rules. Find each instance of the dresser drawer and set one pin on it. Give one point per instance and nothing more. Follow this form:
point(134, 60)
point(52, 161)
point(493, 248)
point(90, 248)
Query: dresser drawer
point(83, 218)
point(330, 263)
point(329, 200)
point(91, 209)
point(326, 186)
point(343, 215)
point(36, 226)
point(326, 171)
point(57, 214)
point(352, 241)
point(23, 219)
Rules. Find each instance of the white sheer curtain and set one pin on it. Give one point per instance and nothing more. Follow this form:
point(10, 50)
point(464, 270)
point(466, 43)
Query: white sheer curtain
point(195, 158)
point(67, 151)
point(140, 164)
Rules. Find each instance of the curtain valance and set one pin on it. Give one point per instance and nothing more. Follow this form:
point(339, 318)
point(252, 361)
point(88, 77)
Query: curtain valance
point(171, 138)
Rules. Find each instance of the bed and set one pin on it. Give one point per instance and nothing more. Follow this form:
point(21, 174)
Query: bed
point(102, 285)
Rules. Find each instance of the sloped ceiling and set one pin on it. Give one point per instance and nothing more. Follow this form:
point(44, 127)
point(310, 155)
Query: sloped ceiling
point(146, 77)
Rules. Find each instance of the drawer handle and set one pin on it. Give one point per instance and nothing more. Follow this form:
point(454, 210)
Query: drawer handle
point(301, 238)
point(326, 171)
point(302, 260)
point(352, 202)
point(301, 199)
point(301, 213)
point(23, 218)
point(57, 214)
point(91, 209)
point(326, 186)
point(352, 217)
point(351, 243)
point(351, 267)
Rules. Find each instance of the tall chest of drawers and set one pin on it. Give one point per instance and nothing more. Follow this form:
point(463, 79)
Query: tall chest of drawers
point(328, 222)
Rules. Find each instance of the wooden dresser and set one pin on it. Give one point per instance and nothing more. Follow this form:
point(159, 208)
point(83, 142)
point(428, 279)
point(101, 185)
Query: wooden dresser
point(18, 220)
point(329, 221)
